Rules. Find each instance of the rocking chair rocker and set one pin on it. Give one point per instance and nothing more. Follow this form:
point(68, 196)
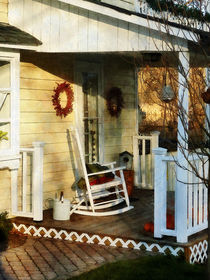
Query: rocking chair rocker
point(95, 199)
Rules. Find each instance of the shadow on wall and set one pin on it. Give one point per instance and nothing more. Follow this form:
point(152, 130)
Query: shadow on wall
point(60, 65)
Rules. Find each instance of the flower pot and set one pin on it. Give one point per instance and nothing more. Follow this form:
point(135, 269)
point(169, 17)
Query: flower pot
point(129, 179)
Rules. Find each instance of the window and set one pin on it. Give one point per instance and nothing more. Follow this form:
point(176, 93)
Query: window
point(89, 116)
point(9, 103)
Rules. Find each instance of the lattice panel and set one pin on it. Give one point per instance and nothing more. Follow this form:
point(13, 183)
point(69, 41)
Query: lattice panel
point(97, 239)
point(199, 252)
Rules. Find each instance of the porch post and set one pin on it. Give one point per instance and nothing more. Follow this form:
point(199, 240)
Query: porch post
point(37, 181)
point(182, 150)
point(207, 121)
point(160, 189)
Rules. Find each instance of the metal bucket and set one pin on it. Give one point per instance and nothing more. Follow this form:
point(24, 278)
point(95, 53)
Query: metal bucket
point(61, 211)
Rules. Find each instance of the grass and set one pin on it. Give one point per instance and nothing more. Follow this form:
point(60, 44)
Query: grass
point(147, 268)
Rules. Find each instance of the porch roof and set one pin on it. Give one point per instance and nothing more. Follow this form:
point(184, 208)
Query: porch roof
point(139, 18)
point(13, 37)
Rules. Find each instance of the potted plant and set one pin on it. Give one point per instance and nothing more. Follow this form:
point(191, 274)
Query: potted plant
point(3, 135)
point(5, 226)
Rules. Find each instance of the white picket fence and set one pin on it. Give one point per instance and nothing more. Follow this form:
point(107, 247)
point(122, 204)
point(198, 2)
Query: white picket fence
point(27, 192)
point(190, 212)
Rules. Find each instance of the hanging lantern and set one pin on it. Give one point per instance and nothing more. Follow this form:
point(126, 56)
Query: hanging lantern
point(206, 96)
point(167, 94)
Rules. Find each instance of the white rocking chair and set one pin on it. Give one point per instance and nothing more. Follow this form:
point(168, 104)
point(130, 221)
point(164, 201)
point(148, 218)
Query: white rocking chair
point(95, 200)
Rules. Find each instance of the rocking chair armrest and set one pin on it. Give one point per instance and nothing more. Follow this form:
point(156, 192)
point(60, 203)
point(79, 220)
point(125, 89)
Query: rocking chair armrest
point(107, 171)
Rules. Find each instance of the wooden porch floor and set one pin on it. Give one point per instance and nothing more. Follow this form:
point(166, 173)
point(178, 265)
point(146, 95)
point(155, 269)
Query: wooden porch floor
point(128, 225)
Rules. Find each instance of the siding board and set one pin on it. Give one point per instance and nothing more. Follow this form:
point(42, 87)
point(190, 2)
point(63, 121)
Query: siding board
point(65, 28)
point(92, 32)
point(65, 25)
point(44, 24)
point(83, 31)
point(55, 28)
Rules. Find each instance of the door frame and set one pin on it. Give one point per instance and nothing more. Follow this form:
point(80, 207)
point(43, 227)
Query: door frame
point(82, 66)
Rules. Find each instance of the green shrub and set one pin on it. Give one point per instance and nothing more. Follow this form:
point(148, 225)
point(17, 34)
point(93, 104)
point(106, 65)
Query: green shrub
point(5, 226)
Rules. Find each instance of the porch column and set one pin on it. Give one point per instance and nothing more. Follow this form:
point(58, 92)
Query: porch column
point(160, 190)
point(37, 181)
point(207, 120)
point(182, 149)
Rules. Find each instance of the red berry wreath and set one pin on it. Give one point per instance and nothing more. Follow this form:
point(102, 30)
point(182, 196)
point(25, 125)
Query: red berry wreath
point(63, 111)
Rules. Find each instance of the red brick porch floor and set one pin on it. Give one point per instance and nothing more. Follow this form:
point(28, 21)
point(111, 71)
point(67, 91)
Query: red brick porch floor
point(126, 226)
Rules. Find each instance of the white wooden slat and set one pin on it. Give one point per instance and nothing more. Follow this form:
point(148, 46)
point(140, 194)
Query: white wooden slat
point(143, 166)
point(45, 25)
point(65, 23)
point(15, 13)
point(107, 38)
point(82, 30)
point(195, 198)
point(14, 190)
point(200, 193)
point(133, 37)
point(122, 36)
point(190, 194)
point(92, 32)
point(28, 19)
point(37, 17)
point(73, 26)
point(24, 180)
point(206, 193)
point(54, 26)
point(205, 204)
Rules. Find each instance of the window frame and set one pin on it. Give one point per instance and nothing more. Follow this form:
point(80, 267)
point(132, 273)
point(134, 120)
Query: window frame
point(14, 59)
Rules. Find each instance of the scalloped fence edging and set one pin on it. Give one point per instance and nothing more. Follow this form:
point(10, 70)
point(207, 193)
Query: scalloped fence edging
point(196, 253)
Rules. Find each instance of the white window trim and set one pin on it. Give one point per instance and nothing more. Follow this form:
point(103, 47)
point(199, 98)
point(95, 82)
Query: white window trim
point(14, 59)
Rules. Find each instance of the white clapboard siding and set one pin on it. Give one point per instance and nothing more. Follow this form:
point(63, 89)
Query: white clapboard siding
point(65, 28)
point(4, 11)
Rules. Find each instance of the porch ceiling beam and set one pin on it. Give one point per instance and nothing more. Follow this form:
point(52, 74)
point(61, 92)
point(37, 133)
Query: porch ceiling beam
point(138, 20)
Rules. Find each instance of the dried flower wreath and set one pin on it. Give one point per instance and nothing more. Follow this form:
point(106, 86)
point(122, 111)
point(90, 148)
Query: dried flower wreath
point(114, 101)
point(63, 111)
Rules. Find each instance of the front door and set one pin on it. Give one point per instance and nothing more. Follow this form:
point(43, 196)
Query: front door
point(89, 110)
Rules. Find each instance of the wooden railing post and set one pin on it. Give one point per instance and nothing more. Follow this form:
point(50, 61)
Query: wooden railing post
point(37, 181)
point(160, 188)
point(154, 144)
point(136, 160)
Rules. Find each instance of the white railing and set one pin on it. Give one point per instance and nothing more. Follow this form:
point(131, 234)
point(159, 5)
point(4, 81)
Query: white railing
point(192, 216)
point(197, 195)
point(144, 8)
point(143, 159)
point(27, 197)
